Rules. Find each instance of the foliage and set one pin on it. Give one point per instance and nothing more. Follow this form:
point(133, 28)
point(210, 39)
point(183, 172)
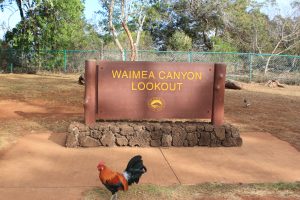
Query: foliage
point(222, 46)
point(146, 42)
point(224, 25)
point(52, 24)
point(180, 42)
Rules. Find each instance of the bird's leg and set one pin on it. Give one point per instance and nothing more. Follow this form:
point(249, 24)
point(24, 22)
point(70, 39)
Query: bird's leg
point(112, 197)
point(116, 196)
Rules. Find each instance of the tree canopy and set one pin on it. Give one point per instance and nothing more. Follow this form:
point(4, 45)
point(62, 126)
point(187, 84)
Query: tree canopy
point(51, 24)
point(187, 25)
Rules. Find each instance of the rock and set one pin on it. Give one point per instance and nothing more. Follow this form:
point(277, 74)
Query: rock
point(78, 126)
point(204, 139)
point(227, 134)
point(208, 127)
point(141, 139)
point(192, 139)
point(191, 128)
point(126, 130)
point(72, 140)
point(274, 83)
point(115, 129)
point(149, 127)
point(138, 128)
point(239, 141)
point(166, 128)
point(103, 127)
point(179, 135)
point(157, 127)
point(232, 85)
point(232, 142)
point(235, 132)
point(122, 141)
point(220, 132)
point(72, 127)
point(108, 139)
point(214, 142)
point(155, 143)
point(83, 127)
point(200, 127)
point(185, 143)
point(86, 141)
point(228, 142)
point(156, 135)
point(166, 140)
point(96, 134)
point(152, 134)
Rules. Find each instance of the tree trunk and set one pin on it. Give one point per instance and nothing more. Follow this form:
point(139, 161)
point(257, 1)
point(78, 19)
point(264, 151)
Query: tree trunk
point(113, 30)
point(132, 48)
point(19, 3)
point(138, 35)
point(267, 65)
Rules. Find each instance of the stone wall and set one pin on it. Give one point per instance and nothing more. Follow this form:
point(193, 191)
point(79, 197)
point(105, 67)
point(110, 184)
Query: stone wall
point(153, 134)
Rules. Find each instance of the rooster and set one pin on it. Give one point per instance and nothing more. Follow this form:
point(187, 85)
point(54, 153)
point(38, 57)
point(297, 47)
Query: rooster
point(115, 181)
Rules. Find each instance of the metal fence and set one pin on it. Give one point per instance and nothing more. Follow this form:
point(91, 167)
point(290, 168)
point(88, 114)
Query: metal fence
point(240, 66)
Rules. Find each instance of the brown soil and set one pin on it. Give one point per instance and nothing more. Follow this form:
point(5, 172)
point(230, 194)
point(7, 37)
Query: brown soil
point(48, 103)
point(273, 110)
point(32, 103)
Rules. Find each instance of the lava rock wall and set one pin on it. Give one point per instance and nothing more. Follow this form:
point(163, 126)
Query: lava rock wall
point(154, 134)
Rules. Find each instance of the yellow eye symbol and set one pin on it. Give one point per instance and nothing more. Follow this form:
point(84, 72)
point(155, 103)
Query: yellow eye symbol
point(156, 103)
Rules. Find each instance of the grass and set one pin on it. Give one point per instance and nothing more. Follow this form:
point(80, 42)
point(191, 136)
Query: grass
point(202, 191)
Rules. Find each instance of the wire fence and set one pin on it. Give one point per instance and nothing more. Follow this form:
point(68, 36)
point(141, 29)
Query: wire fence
point(240, 66)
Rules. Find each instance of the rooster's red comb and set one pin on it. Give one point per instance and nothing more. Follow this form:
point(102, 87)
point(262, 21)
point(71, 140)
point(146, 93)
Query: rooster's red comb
point(101, 163)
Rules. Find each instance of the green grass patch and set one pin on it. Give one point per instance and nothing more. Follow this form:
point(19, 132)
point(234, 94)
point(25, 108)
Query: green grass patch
point(200, 191)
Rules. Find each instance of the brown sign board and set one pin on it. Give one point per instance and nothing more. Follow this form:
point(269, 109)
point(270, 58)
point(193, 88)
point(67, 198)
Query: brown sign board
point(154, 90)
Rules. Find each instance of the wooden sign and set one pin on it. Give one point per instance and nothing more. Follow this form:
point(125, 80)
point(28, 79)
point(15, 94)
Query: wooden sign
point(154, 90)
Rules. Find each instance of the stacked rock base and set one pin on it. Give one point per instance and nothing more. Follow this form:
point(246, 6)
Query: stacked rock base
point(154, 134)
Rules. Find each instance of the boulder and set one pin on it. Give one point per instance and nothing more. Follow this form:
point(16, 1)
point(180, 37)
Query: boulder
point(220, 132)
point(155, 143)
point(108, 139)
point(166, 140)
point(87, 141)
point(191, 128)
point(204, 139)
point(208, 127)
point(122, 141)
point(192, 139)
point(126, 130)
point(141, 139)
point(232, 85)
point(72, 140)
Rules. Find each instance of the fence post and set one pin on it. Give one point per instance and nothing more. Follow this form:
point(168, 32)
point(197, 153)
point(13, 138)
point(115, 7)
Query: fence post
point(65, 61)
point(10, 57)
point(189, 56)
point(124, 55)
point(250, 67)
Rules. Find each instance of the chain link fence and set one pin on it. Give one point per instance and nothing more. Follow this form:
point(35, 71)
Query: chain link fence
point(240, 66)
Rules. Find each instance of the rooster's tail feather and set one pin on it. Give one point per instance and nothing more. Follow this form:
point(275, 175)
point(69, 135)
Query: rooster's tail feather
point(135, 169)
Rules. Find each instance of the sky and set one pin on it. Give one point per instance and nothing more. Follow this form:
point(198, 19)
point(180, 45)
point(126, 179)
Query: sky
point(10, 17)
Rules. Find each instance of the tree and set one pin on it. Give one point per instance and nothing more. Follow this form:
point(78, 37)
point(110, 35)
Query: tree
point(180, 42)
point(50, 24)
point(117, 14)
point(285, 35)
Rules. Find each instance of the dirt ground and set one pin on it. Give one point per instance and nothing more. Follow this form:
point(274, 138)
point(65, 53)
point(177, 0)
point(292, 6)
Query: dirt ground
point(48, 103)
point(51, 102)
